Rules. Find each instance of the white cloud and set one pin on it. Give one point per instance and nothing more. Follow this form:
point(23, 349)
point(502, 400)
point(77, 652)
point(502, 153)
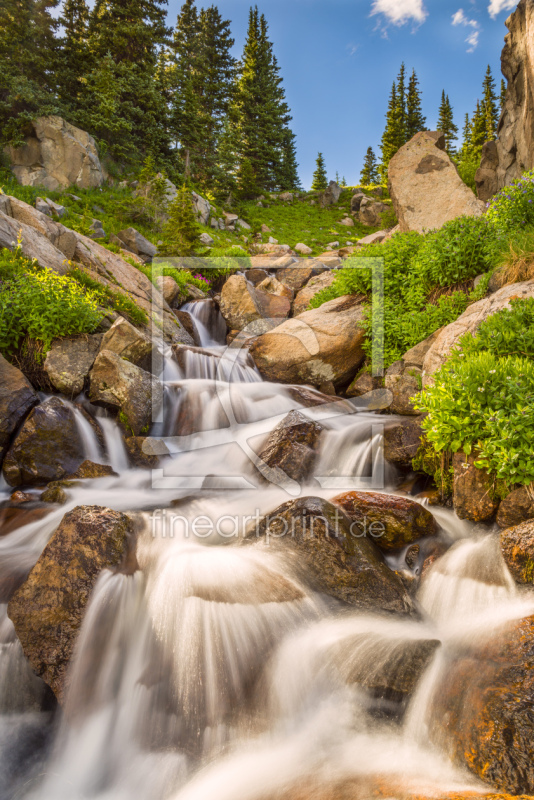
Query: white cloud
point(496, 6)
point(460, 19)
point(400, 11)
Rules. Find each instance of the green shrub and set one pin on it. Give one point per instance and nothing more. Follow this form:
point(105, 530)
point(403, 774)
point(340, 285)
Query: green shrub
point(117, 301)
point(509, 332)
point(513, 207)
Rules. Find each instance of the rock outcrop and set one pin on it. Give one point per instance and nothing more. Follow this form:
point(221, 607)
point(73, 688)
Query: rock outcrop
point(69, 360)
point(33, 244)
point(56, 154)
point(425, 187)
point(47, 610)
point(17, 397)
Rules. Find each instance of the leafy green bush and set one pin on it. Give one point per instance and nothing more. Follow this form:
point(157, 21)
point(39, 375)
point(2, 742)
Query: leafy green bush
point(117, 301)
point(41, 304)
point(513, 207)
point(468, 164)
point(509, 332)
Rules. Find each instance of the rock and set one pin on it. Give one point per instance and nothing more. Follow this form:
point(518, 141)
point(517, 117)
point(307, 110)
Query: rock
point(68, 362)
point(140, 452)
point(308, 292)
point(303, 249)
point(56, 154)
point(403, 388)
point(391, 522)
point(272, 249)
point(243, 225)
point(486, 175)
point(425, 187)
point(415, 357)
point(230, 219)
point(47, 447)
point(321, 345)
point(338, 563)
point(61, 237)
point(482, 708)
point(517, 548)
point(293, 446)
point(33, 244)
point(214, 224)
point(97, 231)
point(169, 289)
point(378, 191)
point(371, 212)
point(128, 342)
point(54, 493)
point(256, 276)
point(287, 197)
point(206, 239)
point(356, 201)
point(238, 303)
point(47, 610)
point(272, 240)
point(363, 384)
point(348, 222)
point(473, 490)
point(295, 277)
point(332, 245)
point(189, 324)
point(265, 229)
point(57, 209)
point(402, 440)
point(331, 195)
point(42, 207)
point(17, 397)
point(5, 205)
point(373, 238)
point(135, 242)
point(273, 286)
point(518, 507)
point(118, 383)
point(202, 208)
point(468, 322)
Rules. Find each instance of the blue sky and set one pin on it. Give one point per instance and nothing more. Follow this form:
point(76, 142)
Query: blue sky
point(340, 57)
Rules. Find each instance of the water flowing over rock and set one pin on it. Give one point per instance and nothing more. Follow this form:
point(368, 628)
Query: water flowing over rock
point(391, 522)
point(47, 609)
point(517, 547)
point(117, 383)
point(17, 397)
point(425, 187)
point(57, 154)
point(68, 362)
point(292, 446)
point(319, 346)
point(342, 565)
point(47, 447)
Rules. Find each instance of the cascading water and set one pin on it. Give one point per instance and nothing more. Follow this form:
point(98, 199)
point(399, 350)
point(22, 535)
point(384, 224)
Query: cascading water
point(214, 670)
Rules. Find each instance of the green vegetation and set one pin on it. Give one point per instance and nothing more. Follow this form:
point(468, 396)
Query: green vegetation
point(115, 301)
point(41, 305)
point(481, 401)
point(320, 179)
point(512, 209)
point(446, 124)
point(369, 173)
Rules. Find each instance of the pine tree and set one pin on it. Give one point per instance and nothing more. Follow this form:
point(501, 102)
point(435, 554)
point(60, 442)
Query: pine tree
point(343, 182)
point(489, 105)
point(320, 180)
point(225, 180)
point(28, 65)
point(288, 174)
point(392, 137)
point(478, 127)
point(75, 57)
point(446, 124)
point(502, 97)
point(415, 121)
point(401, 104)
point(182, 229)
point(369, 173)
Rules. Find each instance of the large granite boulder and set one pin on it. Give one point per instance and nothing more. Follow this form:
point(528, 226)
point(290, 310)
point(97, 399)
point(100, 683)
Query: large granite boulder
point(47, 610)
point(425, 187)
point(128, 343)
point(69, 360)
point(47, 447)
point(56, 154)
point(242, 303)
point(293, 446)
point(402, 440)
point(121, 385)
point(318, 347)
point(338, 561)
point(17, 397)
point(136, 243)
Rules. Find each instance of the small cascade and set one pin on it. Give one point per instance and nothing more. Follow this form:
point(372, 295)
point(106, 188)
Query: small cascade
point(117, 456)
point(92, 450)
point(209, 322)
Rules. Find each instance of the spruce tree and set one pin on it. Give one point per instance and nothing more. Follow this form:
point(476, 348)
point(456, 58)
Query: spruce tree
point(288, 173)
point(369, 173)
point(502, 96)
point(415, 120)
point(320, 180)
point(489, 105)
point(75, 55)
point(446, 124)
point(392, 138)
point(478, 127)
point(182, 230)
point(401, 104)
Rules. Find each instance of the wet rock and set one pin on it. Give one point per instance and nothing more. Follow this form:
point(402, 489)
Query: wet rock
point(363, 384)
point(117, 383)
point(402, 440)
point(482, 709)
point(54, 493)
point(307, 293)
point(391, 522)
point(425, 187)
point(47, 447)
point(128, 343)
point(140, 452)
point(473, 490)
point(68, 362)
point(518, 507)
point(293, 446)
point(188, 322)
point(517, 548)
point(337, 562)
point(88, 469)
point(17, 397)
point(318, 346)
point(19, 497)
point(47, 610)
point(13, 516)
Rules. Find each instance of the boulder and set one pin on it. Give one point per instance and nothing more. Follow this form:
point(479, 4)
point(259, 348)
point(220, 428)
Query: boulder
point(473, 490)
point(17, 397)
point(61, 237)
point(202, 208)
point(97, 230)
point(89, 470)
point(403, 389)
point(303, 249)
point(273, 286)
point(243, 225)
point(373, 238)
point(265, 229)
point(425, 187)
point(331, 194)
point(47, 447)
point(69, 360)
point(518, 507)
point(5, 205)
point(415, 356)
point(482, 708)
point(34, 245)
point(287, 197)
point(56, 154)
point(135, 242)
point(348, 222)
point(118, 383)
point(486, 175)
point(206, 239)
point(371, 212)
point(468, 322)
point(336, 561)
point(391, 522)
point(169, 289)
point(128, 342)
point(256, 275)
point(517, 548)
point(140, 452)
point(298, 276)
point(57, 209)
point(402, 440)
point(308, 292)
point(242, 304)
point(293, 446)
point(48, 609)
point(318, 346)
point(356, 201)
point(364, 383)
